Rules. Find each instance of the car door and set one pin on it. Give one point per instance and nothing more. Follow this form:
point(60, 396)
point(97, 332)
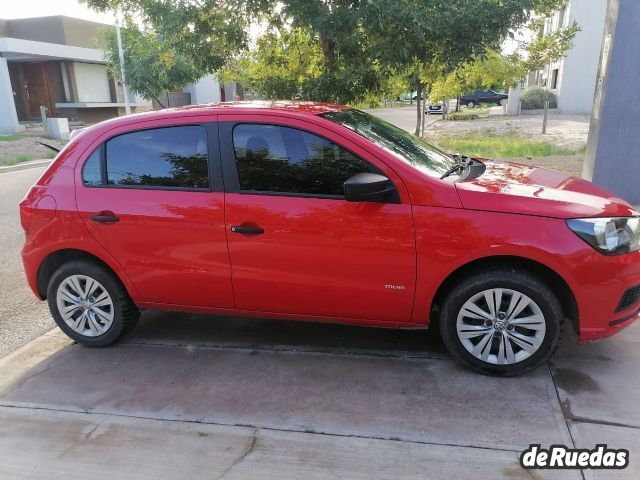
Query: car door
point(296, 245)
point(152, 197)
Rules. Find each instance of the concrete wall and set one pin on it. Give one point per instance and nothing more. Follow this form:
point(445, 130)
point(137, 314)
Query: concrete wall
point(55, 29)
point(205, 90)
point(614, 134)
point(8, 115)
point(578, 71)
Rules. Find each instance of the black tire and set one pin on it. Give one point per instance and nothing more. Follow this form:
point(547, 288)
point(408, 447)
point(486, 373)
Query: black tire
point(125, 313)
point(471, 104)
point(506, 278)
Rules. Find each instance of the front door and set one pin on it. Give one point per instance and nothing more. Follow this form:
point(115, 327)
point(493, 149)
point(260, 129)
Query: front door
point(152, 198)
point(39, 88)
point(296, 245)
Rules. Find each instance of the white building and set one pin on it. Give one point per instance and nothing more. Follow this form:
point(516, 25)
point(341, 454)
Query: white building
point(55, 62)
point(573, 78)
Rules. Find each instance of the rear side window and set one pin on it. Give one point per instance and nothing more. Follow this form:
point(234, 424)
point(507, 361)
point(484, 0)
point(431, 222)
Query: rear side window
point(272, 158)
point(173, 157)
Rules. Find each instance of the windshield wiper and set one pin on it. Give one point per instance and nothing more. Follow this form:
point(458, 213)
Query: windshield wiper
point(460, 164)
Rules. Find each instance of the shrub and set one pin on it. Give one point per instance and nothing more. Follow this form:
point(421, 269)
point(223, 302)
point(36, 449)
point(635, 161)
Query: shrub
point(535, 97)
point(463, 116)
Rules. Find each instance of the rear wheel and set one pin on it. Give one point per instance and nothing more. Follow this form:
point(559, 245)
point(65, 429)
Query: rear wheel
point(501, 321)
point(89, 304)
point(471, 104)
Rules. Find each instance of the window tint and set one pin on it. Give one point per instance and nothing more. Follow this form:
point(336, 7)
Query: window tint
point(271, 158)
point(91, 174)
point(162, 157)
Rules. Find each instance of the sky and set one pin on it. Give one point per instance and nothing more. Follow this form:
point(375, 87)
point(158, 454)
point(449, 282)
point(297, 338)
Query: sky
point(41, 8)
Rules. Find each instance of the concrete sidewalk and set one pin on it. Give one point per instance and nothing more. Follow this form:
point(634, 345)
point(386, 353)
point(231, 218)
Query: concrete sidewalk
point(189, 395)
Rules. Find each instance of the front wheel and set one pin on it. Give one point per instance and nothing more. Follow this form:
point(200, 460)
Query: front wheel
point(89, 304)
point(471, 104)
point(503, 321)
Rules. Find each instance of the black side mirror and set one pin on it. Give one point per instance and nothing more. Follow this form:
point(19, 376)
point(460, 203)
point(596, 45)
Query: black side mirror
point(370, 187)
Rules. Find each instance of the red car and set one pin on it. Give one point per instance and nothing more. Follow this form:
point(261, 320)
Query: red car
point(321, 212)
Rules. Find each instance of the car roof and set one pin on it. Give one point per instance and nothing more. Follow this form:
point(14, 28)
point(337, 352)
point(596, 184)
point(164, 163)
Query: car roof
point(254, 107)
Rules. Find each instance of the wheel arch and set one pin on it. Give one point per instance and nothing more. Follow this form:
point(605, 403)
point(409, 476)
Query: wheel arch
point(548, 275)
point(55, 259)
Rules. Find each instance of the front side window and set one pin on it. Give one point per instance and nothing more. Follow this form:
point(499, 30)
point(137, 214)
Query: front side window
point(272, 158)
point(174, 157)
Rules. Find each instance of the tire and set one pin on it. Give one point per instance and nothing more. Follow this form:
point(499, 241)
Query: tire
point(471, 104)
point(79, 283)
point(505, 328)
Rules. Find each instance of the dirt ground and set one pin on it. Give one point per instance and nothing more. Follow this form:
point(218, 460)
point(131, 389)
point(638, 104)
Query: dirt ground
point(26, 146)
point(569, 131)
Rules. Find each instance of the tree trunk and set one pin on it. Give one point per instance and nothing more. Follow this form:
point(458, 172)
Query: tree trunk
point(419, 113)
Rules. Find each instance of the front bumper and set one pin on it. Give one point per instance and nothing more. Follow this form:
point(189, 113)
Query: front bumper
point(602, 283)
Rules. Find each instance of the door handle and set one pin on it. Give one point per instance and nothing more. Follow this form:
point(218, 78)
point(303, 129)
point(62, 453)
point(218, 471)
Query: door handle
point(105, 218)
point(247, 230)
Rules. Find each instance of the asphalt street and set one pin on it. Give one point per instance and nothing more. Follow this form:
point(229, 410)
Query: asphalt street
point(22, 317)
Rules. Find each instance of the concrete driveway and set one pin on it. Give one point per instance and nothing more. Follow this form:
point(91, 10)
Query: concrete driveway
point(188, 396)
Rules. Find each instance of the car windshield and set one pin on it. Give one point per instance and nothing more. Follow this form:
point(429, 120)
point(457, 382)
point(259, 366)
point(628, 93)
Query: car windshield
point(400, 143)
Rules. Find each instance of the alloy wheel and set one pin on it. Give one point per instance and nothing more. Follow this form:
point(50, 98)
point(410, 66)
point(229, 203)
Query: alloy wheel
point(85, 305)
point(501, 326)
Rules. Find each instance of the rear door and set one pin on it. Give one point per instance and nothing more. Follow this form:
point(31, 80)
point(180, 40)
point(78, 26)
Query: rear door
point(153, 199)
point(296, 245)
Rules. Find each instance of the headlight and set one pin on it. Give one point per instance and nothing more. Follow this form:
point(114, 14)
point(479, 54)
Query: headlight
point(611, 236)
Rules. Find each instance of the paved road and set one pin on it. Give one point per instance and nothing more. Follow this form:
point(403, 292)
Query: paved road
point(403, 117)
point(22, 317)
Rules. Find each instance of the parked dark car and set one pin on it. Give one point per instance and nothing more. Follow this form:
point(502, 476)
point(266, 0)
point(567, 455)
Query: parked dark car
point(479, 96)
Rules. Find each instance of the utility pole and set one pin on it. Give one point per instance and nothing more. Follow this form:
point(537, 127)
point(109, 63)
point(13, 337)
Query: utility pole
point(127, 103)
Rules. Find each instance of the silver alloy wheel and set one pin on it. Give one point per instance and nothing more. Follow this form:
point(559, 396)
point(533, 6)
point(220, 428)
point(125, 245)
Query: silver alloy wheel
point(501, 326)
point(85, 305)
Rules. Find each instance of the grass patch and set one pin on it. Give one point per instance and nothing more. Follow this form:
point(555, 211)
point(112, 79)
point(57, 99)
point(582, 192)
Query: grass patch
point(10, 138)
point(502, 146)
point(19, 158)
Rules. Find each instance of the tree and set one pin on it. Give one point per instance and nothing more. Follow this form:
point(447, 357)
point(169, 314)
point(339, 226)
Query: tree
point(362, 43)
point(152, 66)
point(280, 66)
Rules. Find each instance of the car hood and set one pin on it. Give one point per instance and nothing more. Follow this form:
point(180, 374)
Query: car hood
point(524, 189)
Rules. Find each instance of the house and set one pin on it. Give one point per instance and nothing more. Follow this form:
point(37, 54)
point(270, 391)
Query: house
point(56, 62)
point(573, 78)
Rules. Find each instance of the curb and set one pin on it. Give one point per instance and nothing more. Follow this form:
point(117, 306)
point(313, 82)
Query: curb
point(25, 166)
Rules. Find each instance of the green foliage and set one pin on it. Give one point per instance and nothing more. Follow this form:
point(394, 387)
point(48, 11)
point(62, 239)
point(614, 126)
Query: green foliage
point(490, 145)
point(152, 66)
point(462, 116)
point(280, 66)
point(534, 98)
point(549, 48)
point(9, 138)
point(363, 44)
point(18, 158)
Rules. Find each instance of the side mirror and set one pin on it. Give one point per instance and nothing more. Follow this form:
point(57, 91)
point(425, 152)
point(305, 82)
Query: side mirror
point(370, 187)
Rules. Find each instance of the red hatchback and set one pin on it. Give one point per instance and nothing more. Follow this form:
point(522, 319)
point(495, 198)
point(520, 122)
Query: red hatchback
point(321, 212)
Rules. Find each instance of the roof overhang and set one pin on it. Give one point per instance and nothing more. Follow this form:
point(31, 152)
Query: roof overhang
point(15, 49)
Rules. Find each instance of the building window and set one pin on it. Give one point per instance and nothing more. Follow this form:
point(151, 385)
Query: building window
point(554, 79)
